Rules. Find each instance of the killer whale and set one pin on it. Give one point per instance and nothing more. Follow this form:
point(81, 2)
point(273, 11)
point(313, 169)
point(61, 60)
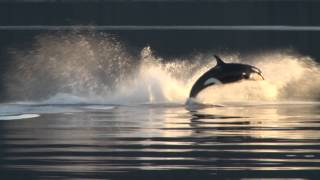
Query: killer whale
point(224, 73)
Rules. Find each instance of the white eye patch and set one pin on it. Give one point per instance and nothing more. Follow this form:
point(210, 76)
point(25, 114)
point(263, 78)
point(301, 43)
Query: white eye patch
point(212, 81)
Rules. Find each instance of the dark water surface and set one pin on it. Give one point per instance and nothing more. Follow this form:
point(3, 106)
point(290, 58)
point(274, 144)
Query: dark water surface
point(160, 141)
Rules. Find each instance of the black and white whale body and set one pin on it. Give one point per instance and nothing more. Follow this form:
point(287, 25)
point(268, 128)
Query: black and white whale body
point(224, 73)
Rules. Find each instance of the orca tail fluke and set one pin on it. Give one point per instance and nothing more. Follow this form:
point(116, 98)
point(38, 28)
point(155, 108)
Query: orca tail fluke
point(219, 60)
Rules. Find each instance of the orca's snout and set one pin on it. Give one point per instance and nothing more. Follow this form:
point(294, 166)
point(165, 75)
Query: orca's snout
point(256, 76)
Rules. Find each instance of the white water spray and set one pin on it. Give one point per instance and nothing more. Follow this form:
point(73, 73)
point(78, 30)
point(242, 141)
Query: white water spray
point(98, 69)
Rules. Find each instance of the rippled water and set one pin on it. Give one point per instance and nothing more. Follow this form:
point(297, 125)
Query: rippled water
point(239, 140)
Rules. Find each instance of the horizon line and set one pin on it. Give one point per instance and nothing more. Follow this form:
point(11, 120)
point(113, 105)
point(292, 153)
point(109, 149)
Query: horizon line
point(67, 1)
point(160, 27)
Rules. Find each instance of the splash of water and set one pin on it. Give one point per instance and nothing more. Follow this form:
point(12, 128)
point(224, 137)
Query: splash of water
point(82, 65)
point(98, 69)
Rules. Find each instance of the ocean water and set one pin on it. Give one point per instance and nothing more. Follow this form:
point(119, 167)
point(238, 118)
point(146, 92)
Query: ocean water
point(160, 141)
point(81, 107)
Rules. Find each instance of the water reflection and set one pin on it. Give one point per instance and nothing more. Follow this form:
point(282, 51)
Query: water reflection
point(233, 141)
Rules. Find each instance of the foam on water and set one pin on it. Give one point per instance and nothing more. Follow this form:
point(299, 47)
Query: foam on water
point(99, 107)
point(20, 116)
point(96, 68)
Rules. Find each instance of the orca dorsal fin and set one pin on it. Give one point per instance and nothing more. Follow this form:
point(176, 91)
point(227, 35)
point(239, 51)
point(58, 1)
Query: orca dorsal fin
point(219, 61)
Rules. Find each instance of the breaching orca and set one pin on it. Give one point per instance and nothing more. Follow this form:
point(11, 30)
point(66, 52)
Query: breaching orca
point(224, 73)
